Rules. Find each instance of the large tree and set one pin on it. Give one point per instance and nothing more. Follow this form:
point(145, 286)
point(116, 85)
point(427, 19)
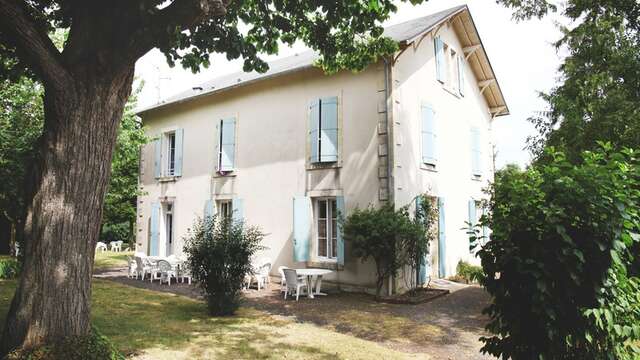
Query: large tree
point(86, 86)
point(598, 92)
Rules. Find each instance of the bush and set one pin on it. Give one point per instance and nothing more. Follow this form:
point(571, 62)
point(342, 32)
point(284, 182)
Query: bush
point(560, 261)
point(469, 273)
point(93, 347)
point(115, 232)
point(219, 252)
point(9, 268)
point(381, 234)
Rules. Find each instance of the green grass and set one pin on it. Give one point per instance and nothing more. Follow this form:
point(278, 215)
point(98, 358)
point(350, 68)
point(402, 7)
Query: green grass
point(108, 259)
point(165, 326)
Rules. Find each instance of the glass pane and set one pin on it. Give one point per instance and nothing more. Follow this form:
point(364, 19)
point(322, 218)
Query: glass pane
point(322, 229)
point(334, 247)
point(334, 210)
point(322, 209)
point(334, 228)
point(322, 247)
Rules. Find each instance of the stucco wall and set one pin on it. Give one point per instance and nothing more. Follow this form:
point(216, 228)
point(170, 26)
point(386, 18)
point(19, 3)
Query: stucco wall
point(415, 83)
point(271, 152)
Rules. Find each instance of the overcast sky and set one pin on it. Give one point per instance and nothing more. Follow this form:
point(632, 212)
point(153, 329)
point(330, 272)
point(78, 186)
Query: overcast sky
point(522, 55)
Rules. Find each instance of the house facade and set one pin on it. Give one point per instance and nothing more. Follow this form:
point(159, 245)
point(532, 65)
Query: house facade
point(290, 149)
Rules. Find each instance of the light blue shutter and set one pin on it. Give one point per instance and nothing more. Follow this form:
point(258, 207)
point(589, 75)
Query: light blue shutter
point(442, 243)
point(429, 138)
point(228, 145)
point(423, 265)
point(178, 162)
point(441, 73)
point(154, 246)
point(341, 212)
point(476, 152)
point(157, 160)
point(209, 208)
point(238, 209)
point(314, 130)
point(461, 75)
point(473, 215)
point(301, 228)
point(329, 129)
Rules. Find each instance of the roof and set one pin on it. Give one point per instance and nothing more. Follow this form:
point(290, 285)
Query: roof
point(404, 33)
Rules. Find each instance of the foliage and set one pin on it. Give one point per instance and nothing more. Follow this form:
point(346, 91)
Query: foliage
point(92, 347)
point(416, 248)
point(21, 121)
point(561, 263)
point(469, 273)
point(381, 234)
point(599, 88)
point(220, 251)
point(119, 211)
point(9, 268)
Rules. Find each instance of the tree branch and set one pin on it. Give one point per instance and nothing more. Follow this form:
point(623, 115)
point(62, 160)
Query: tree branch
point(159, 28)
point(33, 45)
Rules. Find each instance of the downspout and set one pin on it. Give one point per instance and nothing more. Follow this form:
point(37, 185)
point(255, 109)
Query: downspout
point(388, 87)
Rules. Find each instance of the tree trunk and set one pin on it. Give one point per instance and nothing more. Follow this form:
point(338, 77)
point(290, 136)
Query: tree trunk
point(66, 189)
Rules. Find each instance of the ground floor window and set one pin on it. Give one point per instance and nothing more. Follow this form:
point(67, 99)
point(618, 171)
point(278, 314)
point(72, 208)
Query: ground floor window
point(168, 221)
point(325, 213)
point(225, 209)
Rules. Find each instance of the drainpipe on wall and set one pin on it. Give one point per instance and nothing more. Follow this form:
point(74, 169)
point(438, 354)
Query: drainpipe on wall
point(388, 92)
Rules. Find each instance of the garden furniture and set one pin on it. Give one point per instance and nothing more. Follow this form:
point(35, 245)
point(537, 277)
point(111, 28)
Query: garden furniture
point(310, 274)
point(132, 267)
point(166, 271)
point(100, 246)
point(294, 283)
point(116, 246)
point(142, 267)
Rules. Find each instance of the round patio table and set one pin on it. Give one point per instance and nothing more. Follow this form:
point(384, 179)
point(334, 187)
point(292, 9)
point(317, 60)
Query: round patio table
point(310, 274)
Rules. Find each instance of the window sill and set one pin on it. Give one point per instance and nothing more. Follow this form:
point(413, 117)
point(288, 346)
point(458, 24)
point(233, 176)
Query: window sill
point(324, 165)
point(325, 264)
point(164, 179)
point(451, 91)
point(429, 167)
point(226, 175)
point(476, 178)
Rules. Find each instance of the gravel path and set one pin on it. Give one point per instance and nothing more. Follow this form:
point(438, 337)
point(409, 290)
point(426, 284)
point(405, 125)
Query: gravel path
point(445, 328)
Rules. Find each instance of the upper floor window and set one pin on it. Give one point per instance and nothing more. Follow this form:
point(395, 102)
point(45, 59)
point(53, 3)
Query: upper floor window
point(168, 154)
point(449, 67)
point(323, 130)
point(226, 145)
point(326, 227)
point(225, 209)
point(476, 152)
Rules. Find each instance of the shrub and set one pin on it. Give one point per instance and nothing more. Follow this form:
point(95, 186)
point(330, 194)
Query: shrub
point(381, 234)
point(219, 253)
point(560, 260)
point(115, 232)
point(469, 273)
point(9, 268)
point(93, 347)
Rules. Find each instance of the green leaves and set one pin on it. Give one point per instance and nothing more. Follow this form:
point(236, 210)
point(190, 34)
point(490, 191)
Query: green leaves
point(564, 241)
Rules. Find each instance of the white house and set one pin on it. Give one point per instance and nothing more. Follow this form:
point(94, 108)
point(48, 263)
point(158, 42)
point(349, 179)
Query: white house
point(289, 149)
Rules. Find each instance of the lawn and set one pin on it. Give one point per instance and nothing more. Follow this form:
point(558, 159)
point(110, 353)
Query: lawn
point(109, 259)
point(152, 325)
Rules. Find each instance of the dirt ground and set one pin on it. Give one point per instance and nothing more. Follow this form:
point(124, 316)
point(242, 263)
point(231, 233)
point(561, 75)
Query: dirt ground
point(445, 328)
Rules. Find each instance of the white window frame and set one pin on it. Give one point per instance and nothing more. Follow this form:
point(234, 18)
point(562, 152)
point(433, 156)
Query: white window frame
point(224, 209)
point(169, 226)
point(331, 248)
point(169, 163)
point(219, 160)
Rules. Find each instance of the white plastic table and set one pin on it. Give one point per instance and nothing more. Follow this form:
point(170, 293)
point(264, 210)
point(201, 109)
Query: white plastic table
point(310, 274)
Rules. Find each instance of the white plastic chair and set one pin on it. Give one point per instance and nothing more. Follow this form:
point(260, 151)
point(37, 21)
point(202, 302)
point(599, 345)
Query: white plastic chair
point(294, 283)
point(116, 246)
point(142, 267)
point(283, 281)
point(166, 271)
point(100, 246)
point(184, 272)
point(133, 267)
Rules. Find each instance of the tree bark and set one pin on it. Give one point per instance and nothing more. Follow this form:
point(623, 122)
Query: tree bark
point(67, 188)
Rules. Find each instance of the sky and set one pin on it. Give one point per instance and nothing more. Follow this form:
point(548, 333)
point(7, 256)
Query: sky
point(521, 53)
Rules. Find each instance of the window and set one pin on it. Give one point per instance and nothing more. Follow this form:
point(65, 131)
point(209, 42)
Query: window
point(323, 130)
point(476, 152)
point(168, 220)
point(225, 209)
point(226, 145)
point(170, 153)
point(449, 67)
point(327, 227)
